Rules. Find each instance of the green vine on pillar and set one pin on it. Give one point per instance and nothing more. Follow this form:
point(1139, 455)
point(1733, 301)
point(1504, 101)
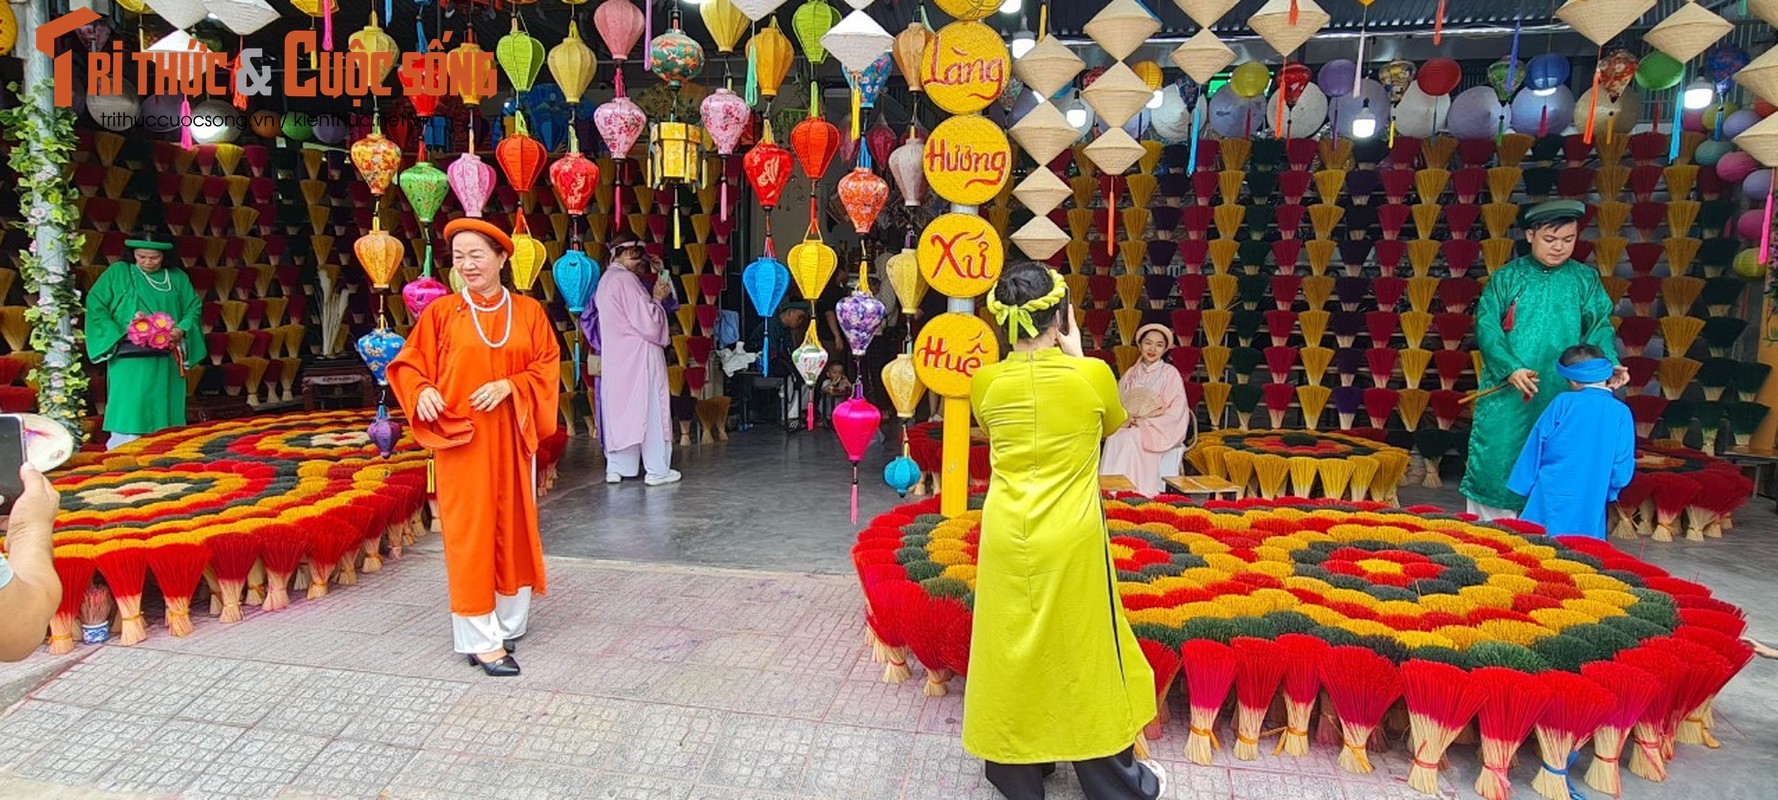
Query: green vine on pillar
point(42, 144)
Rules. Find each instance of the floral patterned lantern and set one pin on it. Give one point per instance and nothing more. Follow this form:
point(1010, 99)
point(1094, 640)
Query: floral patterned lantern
point(472, 180)
point(574, 177)
point(425, 186)
point(725, 116)
point(906, 166)
point(377, 159)
point(378, 348)
point(620, 122)
point(863, 194)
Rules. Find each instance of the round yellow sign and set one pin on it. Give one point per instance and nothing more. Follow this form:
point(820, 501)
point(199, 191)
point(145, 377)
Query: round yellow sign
point(969, 9)
point(950, 349)
point(967, 160)
point(964, 67)
point(960, 255)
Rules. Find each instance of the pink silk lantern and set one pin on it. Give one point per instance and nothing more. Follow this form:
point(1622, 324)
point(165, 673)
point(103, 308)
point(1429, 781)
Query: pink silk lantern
point(620, 25)
point(864, 195)
point(856, 421)
point(907, 168)
point(420, 292)
point(725, 116)
point(472, 180)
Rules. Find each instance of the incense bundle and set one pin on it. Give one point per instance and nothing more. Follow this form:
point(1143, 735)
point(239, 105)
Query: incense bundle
point(1450, 364)
point(1239, 466)
point(74, 570)
point(1706, 673)
point(1675, 374)
point(1679, 333)
point(1228, 217)
point(939, 638)
point(1414, 325)
point(1315, 362)
point(1280, 325)
point(1260, 668)
point(1632, 691)
point(1301, 655)
point(1361, 686)
point(1514, 703)
point(1610, 181)
point(1422, 254)
point(1243, 363)
point(1329, 182)
point(124, 564)
point(1735, 654)
point(1216, 394)
point(1441, 700)
point(1422, 291)
point(1302, 476)
point(1210, 668)
point(1313, 399)
point(1721, 333)
point(1216, 325)
point(1271, 471)
point(1453, 328)
point(1608, 253)
point(1313, 325)
point(1646, 761)
point(1636, 333)
point(1717, 375)
point(1577, 707)
point(1163, 661)
point(1223, 289)
point(1336, 476)
point(1278, 397)
point(1316, 290)
point(1411, 406)
point(1379, 402)
point(1222, 254)
point(178, 567)
point(1364, 471)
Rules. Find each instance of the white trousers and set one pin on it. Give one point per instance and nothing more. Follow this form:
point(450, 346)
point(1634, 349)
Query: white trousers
point(489, 632)
point(120, 439)
point(655, 453)
point(1489, 513)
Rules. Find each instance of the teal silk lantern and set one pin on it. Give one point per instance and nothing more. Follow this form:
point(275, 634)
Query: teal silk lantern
point(676, 57)
point(901, 475)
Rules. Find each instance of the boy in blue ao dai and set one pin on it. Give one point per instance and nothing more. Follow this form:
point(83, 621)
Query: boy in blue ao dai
point(1581, 452)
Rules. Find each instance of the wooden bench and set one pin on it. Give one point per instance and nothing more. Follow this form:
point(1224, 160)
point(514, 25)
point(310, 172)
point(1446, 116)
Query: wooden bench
point(1762, 462)
point(1195, 485)
point(1115, 483)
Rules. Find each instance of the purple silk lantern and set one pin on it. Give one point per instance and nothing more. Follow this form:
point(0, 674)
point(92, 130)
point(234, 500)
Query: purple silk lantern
point(384, 432)
point(861, 318)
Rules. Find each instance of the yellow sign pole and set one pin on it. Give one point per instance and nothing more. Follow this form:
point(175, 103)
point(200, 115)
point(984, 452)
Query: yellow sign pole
point(953, 491)
point(1766, 435)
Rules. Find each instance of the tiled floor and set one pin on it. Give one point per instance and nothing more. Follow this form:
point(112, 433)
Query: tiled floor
point(676, 681)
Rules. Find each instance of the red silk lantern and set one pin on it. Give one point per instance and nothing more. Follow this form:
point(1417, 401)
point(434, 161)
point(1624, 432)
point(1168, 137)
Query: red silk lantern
point(521, 159)
point(768, 168)
point(880, 141)
point(1295, 78)
point(864, 195)
point(815, 141)
point(574, 177)
point(1439, 77)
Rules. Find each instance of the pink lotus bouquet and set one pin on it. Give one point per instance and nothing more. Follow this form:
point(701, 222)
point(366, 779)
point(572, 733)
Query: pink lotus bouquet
point(153, 331)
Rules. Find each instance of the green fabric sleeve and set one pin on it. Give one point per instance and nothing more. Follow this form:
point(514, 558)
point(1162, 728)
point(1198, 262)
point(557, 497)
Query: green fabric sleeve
point(191, 320)
point(104, 328)
point(1490, 337)
point(1105, 385)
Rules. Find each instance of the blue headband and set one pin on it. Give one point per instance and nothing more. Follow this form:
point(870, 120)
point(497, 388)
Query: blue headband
point(1594, 370)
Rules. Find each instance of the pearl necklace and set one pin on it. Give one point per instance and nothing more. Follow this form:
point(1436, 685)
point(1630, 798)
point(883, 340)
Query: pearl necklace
point(165, 285)
point(505, 300)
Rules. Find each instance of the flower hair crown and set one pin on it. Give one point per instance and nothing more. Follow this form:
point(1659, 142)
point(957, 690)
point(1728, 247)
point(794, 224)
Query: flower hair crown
point(1016, 318)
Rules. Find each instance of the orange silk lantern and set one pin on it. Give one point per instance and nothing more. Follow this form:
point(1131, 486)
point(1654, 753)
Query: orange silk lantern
point(909, 46)
point(521, 158)
point(380, 255)
point(815, 141)
point(863, 194)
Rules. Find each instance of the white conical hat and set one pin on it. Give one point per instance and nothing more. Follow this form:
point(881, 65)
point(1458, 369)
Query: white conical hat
point(1040, 238)
point(1042, 191)
point(1202, 56)
point(1048, 67)
point(857, 41)
point(1122, 26)
point(1044, 132)
point(1115, 151)
point(1117, 95)
point(1206, 12)
point(1602, 20)
point(1273, 23)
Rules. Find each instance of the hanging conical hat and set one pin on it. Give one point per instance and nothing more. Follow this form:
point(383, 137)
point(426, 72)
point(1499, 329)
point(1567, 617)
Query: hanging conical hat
point(1201, 56)
point(1040, 238)
point(1688, 32)
point(1114, 151)
point(1206, 12)
point(1117, 95)
point(1048, 67)
point(1122, 26)
point(1761, 140)
point(1041, 191)
point(1287, 24)
point(857, 41)
point(1602, 20)
point(1044, 133)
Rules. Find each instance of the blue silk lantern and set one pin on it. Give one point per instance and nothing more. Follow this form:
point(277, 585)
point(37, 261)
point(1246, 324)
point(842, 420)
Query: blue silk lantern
point(901, 475)
point(576, 275)
point(766, 280)
point(1547, 71)
point(871, 81)
point(378, 348)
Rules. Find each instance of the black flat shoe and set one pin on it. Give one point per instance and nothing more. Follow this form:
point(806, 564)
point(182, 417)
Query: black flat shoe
point(511, 645)
point(503, 667)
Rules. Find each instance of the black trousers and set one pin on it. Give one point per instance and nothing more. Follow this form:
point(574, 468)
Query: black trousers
point(1116, 777)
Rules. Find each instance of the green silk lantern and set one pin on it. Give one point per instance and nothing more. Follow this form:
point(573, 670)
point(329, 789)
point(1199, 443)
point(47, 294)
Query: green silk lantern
point(520, 55)
point(812, 21)
point(425, 186)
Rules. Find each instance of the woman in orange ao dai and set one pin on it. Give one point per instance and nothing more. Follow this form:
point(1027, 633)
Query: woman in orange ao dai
point(477, 379)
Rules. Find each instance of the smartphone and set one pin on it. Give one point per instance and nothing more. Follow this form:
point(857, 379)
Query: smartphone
point(12, 456)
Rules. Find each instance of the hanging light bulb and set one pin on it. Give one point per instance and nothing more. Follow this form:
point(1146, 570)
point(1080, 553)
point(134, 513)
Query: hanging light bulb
point(1012, 6)
point(1156, 101)
point(1364, 126)
point(1078, 115)
point(1699, 94)
point(1022, 42)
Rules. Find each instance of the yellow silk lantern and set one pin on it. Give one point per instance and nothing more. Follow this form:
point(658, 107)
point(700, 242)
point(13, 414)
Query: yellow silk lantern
point(468, 89)
point(772, 55)
point(572, 64)
point(373, 39)
point(726, 23)
point(528, 255)
point(903, 383)
point(904, 275)
point(1149, 72)
point(379, 253)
